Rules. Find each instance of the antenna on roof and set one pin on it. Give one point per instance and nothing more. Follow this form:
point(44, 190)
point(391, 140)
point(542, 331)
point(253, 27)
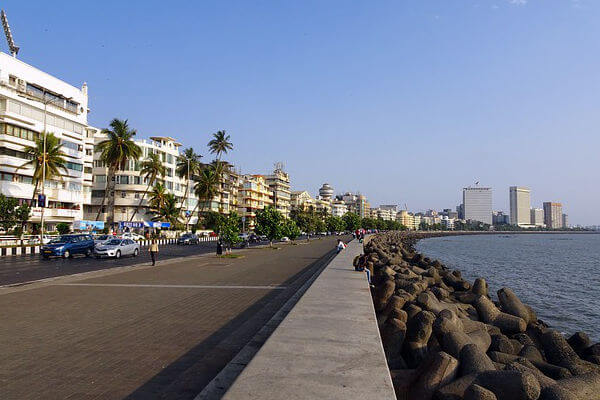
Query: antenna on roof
point(14, 49)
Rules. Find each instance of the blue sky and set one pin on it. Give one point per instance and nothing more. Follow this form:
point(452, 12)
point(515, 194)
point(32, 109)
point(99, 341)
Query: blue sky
point(406, 101)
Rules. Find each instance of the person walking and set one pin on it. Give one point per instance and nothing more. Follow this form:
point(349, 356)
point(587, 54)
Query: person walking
point(153, 251)
point(219, 247)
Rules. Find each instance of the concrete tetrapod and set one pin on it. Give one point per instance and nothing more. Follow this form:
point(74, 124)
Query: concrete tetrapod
point(418, 332)
point(490, 314)
point(581, 387)
point(513, 305)
point(437, 370)
point(476, 392)
point(510, 385)
point(559, 352)
point(473, 360)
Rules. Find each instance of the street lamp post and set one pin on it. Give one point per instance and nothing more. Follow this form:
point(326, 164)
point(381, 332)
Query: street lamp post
point(45, 102)
point(187, 199)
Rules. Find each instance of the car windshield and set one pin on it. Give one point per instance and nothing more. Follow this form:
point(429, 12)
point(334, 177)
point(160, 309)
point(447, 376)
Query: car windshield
point(103, 237)
point(62, 239)
point(114, 242)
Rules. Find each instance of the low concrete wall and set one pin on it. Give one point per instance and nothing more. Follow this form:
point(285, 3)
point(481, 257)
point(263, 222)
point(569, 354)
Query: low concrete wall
point(328, 347)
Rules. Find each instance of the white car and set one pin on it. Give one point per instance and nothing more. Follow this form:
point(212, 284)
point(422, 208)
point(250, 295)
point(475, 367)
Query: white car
point(132, 236)
point(101, 239)
point(117, 248)
point(285, 239)
point(36, 239)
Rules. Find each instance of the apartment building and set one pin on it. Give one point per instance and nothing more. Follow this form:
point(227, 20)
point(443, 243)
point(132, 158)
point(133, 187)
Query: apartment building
point(130, 185)
point(279, 185)
point(338, 208)
point(537, 217)
point(253, 195)
point(31, 101)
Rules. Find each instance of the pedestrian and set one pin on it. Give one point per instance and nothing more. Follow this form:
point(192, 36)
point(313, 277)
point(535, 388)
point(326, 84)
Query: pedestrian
point(219, 247)
point(340, 245)
point(153, 251)
point(360, 264)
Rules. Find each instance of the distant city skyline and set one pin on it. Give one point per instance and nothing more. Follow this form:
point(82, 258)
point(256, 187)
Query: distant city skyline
point(406, 102)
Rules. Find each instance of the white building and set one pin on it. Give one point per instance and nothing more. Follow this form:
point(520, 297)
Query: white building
point(130, 186)
point(537, 217)
point(338, 208)
point(448, 223)
point(477, 203)
point(28, 97)
point(520, 206)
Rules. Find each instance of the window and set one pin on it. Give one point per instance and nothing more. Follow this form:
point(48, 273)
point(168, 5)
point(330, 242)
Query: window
point(70, 145)
point(89, 152)
point(14, 153)
point(87, 170)
point(169, 185)
point(75, 186)
point(100, 178)
point(74, 166)
point(98, 193)
point(137, 180)
point(19, 132)
point(99, 164)
point(6, 177)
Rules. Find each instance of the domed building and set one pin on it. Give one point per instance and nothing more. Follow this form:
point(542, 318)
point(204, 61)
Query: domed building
point(326, 192)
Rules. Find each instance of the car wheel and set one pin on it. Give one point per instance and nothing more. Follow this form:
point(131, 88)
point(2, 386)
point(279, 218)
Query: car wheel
point(135, 252)
point(118, 254)
point(67, 254)
point(88, 253)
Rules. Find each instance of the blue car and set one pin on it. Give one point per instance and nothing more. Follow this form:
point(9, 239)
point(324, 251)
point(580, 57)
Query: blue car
point(66, 245)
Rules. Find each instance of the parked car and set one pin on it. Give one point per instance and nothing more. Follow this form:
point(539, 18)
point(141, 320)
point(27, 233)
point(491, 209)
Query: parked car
point(188, 238)
point(132, 236)
point(36, 239)
point(117, 248)
point(101, 239)
point(285, 239)
point(66, 246)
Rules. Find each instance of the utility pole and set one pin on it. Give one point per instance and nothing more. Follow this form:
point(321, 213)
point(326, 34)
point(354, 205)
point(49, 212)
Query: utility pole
point(187, 199)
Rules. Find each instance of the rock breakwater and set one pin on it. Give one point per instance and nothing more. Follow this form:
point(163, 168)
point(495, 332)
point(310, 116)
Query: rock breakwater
point(446, 338)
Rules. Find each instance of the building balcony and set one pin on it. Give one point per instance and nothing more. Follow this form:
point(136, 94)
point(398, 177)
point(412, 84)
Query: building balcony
point(55, 213)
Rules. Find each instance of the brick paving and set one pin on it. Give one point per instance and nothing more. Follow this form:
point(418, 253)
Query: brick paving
point(143, 342)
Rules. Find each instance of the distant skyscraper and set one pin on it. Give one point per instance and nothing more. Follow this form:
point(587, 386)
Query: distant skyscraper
point(565, 221)
point(520, 206)
point(553, 215)
point(477, 203)
point(460, 210)
point(537, 216)
point(499, 218)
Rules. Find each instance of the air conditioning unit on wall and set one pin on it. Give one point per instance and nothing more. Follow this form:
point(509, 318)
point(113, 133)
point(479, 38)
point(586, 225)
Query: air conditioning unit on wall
point(21, 85)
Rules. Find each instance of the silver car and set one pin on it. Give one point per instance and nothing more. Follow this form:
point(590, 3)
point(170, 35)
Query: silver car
point(117, 248)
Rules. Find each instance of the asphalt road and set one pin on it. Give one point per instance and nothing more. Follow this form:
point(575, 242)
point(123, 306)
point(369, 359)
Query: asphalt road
point(21, 269)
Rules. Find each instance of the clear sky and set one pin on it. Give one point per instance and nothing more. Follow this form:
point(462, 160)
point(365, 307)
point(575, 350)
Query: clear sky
point(407, 101)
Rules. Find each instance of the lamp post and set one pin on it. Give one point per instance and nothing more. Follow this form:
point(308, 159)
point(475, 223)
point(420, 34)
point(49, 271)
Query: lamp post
point(187, 199)
point(45, 102)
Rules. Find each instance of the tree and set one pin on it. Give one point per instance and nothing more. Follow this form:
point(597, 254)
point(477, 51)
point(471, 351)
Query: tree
point(206, 188)
point(158, 196)
point(220, 144)
point(22, 214)
point(229, 229)
point(368, 223)
point(12, 214)
point(188, 166)
point(63, 228)
point(116, 151)
point(152, 167)
point(303, 220)
point(269, 222)
point(335, 224)
point(213, 220)
point(352, 221)
point(167, 211)
point(290, 229)
point(55, 161)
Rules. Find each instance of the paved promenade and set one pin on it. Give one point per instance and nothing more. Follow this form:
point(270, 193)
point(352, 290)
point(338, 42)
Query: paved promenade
point(328, 346)
point(143, 332)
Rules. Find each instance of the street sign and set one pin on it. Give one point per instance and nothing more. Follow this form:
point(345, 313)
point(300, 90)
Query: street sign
point(41, 200)
point(243, 219)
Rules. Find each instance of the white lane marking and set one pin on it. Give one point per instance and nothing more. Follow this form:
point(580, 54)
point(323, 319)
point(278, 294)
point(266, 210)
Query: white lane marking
point(134, 285)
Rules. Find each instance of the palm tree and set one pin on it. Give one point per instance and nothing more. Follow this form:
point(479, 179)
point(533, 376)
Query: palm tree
point(152, 167)
point(158, 196)
point(116, 151)
point(167, 210)
point(188, 165)
point(55, 161)
point(220, 144)
point(207, 187)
